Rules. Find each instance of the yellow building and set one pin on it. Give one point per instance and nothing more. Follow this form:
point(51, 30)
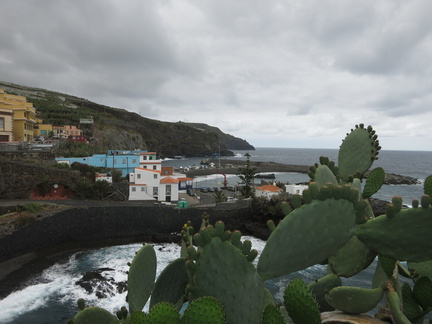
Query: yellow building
point(42, 130)
point(24, 116)
point(6, 125)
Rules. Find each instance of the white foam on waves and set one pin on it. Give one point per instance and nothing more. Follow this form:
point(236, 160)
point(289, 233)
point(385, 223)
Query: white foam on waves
point(58, 282)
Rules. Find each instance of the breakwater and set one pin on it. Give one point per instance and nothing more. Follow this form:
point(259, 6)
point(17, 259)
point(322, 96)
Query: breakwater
point(80, 228)
point(232, 166)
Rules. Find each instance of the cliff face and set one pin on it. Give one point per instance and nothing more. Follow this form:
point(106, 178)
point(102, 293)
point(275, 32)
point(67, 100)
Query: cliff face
point(115, 128)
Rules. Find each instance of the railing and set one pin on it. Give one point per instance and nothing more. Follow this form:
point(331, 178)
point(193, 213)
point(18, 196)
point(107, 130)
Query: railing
point(28, 146)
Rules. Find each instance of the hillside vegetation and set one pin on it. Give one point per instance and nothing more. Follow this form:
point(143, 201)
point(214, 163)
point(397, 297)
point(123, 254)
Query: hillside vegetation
point(116, 128)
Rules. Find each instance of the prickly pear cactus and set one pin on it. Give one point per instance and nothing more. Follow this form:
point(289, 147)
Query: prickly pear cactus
point(300, 303)
point(223, 269)
point(163, 313)
point(171, 284)
point(374, 182)
point(354, 300)
point(358, 151)
point(310, 234)
point(272, 315)
point(351, 258)
point(141, 277)
point(94, 315)
point(399, 234)
point(321, 287)
point(206, 310)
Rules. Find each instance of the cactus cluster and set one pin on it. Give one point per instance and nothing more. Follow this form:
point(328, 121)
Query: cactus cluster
point(332, 224)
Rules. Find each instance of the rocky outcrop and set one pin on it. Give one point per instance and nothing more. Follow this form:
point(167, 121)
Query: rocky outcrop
point(397, 179)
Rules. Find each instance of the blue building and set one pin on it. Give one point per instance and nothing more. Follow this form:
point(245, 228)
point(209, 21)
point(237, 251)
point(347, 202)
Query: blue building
point(125, 161)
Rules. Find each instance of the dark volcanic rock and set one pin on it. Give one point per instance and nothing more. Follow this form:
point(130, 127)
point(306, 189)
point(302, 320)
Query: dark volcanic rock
point(101, 283)
point(398, 179)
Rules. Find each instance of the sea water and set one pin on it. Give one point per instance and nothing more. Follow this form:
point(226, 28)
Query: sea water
point(50, 297)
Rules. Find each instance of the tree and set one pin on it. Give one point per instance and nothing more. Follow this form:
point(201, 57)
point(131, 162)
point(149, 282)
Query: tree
point(247, 176)
point(219, 196)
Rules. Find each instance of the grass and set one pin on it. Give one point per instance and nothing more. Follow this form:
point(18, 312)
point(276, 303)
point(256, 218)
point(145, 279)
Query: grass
point(22, 216)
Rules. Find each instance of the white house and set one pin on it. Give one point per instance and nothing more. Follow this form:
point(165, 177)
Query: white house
point(267, 191)
point(151, 181)
point(100, 176)
point(294, 189)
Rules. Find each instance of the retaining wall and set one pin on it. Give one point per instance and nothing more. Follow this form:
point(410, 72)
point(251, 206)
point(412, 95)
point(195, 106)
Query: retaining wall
point(82, 228)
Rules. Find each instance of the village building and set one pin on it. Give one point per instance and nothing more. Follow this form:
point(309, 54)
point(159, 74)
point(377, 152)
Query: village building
point(66, 131)
point(122, 160)
point(151, 181)
point(21, 113)
point(6, 124)
point(295, 189)
point(267, 191)
point(41, 130)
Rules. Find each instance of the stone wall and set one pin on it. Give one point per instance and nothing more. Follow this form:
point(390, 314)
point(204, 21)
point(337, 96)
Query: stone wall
point(18, 179)
point(81, 228)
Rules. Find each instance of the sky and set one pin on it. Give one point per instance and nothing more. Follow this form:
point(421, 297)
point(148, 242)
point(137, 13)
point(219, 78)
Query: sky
point(277, 73)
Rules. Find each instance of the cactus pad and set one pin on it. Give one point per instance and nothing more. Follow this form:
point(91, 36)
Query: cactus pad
point(401, 236)
point(141, 277)
point(351, 259)
point(171, 283)
point(410, 307)
point(354, 300)
point(421, 269)
point(222, 271)
point(307, 236)
point(94, 315)
point(423, 292)
point(272, 315)
point(163, 313)
point(428, 186)
point(358, 151)
point(300, 303)
point(205, 310)
point(324, 175)
point(320, 287)
point(374, 182)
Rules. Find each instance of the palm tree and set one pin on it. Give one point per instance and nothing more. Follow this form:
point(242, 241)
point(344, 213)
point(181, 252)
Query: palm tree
point(219, 196)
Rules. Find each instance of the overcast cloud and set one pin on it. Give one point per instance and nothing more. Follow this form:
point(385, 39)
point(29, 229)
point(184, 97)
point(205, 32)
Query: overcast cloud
point(293, 73)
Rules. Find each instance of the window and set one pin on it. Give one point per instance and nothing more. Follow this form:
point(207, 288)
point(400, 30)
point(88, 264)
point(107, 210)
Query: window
point(124, 161)
point(133, 189)
point(143, 189)
point(154, 167)
point(145, 157)
point(2, 123)
point(155, 176)
point(138, 176)
point(155, 191)
point(168, 189)
point(166, 172)
point(134, 161)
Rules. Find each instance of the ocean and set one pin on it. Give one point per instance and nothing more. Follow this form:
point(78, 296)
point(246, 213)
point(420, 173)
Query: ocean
point(50, 296)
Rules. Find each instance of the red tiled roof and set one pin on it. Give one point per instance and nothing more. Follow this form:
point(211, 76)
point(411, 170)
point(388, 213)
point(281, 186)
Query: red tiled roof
point(184, 179)
point(169, 180)
point(144, 169)
point(271, 188)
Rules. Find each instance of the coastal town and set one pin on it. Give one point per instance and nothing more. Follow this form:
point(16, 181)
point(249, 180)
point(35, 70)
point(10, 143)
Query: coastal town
point(56, 204)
